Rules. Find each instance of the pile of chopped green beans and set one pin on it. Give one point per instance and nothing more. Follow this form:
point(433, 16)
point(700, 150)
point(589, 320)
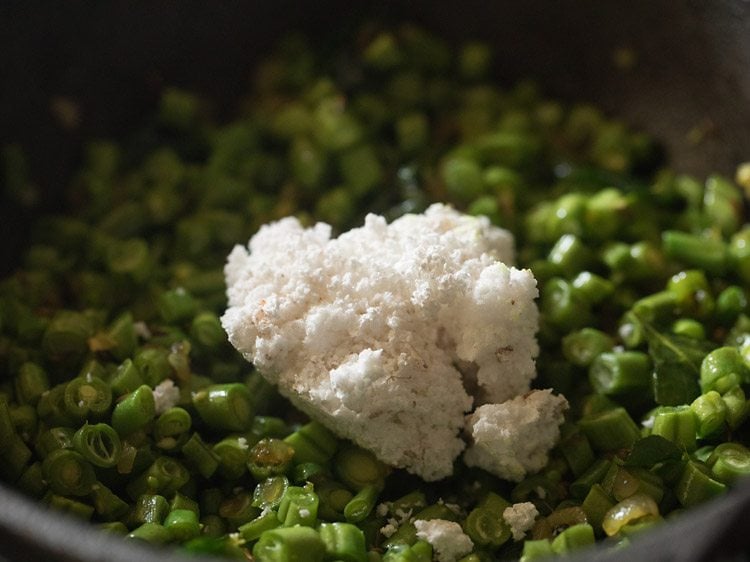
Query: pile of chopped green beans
point(115, 307)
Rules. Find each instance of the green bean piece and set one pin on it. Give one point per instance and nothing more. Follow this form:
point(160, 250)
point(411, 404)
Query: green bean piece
point(696, 485)
point(269, 457)
point(312, 442)
point(107, 504)
point(16, 457)
point(267, 426)
point(596, 504)
point(290, 544)
point(729, 461)
point(53, 439)
point(119, 340)
point(363, 502)
point(420, 551)
point(181, 501)
point(730, 303)
point(61, 504)
point(570, 255)
point(572, 538)
point(165, 476)
point(737, 406)
point(592, 288)
point(25, 421)
point(87, 398)
point(206, 331)
point(576, 449)
point(562, 306)
point(620, 372)
point(134, 411)
point(536, 549)
point(177, 305)
point(152, 364)
point(693, 292)
point(171, 428)
point(708, 254)
point(225, 406)
point(583, 346)
point(722, 369)
point(233, 454)
point(66, 338)
point(689, 328)
point(99, 444)
point(68, 473)
point(238, 509)
point(343, 541)
point(200, 455)
point(148, 508)
point(182, 524)
point(357, 468)
point(298, 506)
point(210, 500)
point(113, 527)
point(710, 412)
point(252, 530)
point(51, 407)
point(214, 526)
point(610, 430)
point(126, 379)
point(485, 524)
point(32, 481)
point(334, 497)
point(310, 472)
point(269, 493)
point(678, 424)
point(152, 533)
point(30, 383)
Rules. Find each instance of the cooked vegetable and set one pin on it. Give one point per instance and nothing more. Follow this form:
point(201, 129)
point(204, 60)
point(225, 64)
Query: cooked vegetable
point(123, 403)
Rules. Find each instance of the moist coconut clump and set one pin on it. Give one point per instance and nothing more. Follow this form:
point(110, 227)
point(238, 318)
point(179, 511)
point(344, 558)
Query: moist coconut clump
point(390, 333)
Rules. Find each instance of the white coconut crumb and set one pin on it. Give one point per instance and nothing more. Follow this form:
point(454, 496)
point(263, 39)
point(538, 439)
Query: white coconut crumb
point(520, 518)
point(242, 443)
point(514, 438)
point(382, 509)
point(166, 396)
point(304, 512)
point(142, 330)
point(446, 537)
point(388, 530)
point(402, 515)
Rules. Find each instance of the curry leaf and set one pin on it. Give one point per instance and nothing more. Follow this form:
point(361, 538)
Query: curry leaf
point(677, 363)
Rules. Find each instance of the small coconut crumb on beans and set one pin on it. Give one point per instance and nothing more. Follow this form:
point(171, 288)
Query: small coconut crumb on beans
point(446, 537)
point(520, 518)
